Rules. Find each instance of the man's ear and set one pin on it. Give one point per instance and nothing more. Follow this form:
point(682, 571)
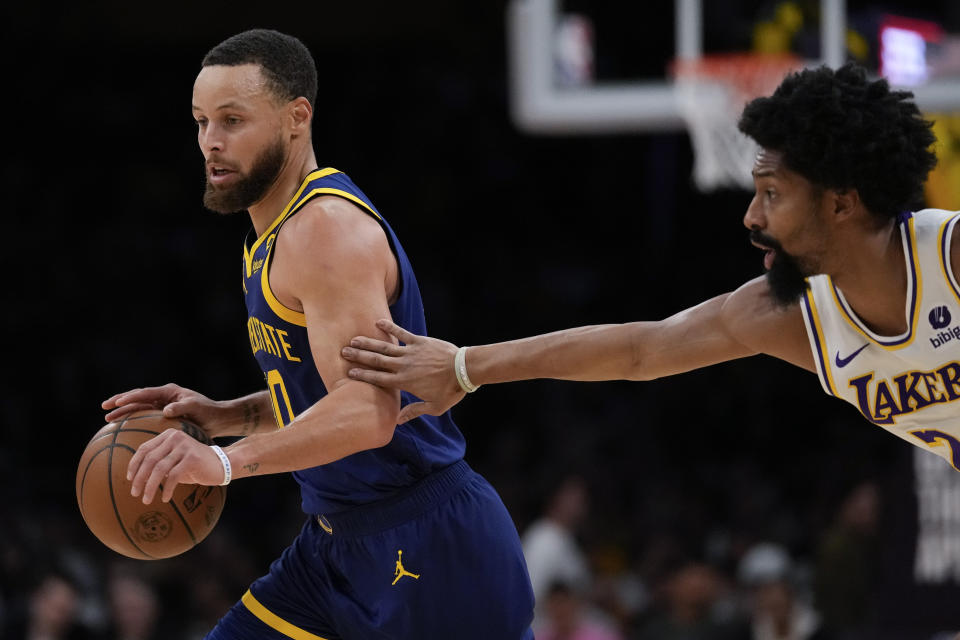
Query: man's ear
point(843, 204)
point(299, 116)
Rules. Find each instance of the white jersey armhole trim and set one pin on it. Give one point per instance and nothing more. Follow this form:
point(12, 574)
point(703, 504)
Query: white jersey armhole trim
point(818, 343)
point(946, 246)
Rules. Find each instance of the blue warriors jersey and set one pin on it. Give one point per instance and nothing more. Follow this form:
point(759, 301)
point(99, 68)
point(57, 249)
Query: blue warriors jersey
point(278, 337)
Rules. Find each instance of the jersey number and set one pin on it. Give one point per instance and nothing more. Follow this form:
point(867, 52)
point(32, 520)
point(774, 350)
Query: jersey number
point(279, 398)
point(936, 438)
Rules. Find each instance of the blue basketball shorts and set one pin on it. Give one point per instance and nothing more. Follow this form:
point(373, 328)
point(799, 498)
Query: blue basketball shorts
point(441, 560)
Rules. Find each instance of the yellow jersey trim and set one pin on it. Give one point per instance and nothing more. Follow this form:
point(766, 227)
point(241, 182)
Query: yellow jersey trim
point(822, 341)
point(324, 524)
point(918, 292)
point(944, 245)
point(313, 175)
point(342, 194)
point(292, 315)
point(274, 621)
point(914, 294)
point(284, 312)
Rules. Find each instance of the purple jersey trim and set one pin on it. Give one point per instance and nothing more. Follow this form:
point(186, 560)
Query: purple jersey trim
point(904, 219)
point(945, 253)
point(812, 323)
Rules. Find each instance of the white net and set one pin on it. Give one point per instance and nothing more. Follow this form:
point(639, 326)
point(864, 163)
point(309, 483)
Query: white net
point(711, 93)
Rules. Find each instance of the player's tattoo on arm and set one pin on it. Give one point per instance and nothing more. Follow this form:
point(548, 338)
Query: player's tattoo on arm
point(253, 466)
point(251, 418)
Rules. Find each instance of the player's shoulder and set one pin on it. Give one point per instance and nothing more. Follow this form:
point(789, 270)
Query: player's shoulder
point(330, 242)
point(752, 316)
point(753, 299)
point(333, 225)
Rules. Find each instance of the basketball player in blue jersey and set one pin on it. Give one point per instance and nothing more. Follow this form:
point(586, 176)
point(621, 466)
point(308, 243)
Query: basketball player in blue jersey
point(858, 288)
point(402, 538)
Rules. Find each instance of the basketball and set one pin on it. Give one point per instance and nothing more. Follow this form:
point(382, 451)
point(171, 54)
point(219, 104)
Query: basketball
point(120, 520)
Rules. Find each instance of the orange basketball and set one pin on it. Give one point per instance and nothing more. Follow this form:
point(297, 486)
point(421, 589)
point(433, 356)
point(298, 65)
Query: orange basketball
point(123, 522)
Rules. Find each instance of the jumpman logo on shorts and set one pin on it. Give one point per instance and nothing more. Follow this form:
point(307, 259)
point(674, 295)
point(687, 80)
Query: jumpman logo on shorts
point(399, 572)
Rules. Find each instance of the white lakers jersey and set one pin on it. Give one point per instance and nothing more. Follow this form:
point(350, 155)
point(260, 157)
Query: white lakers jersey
point(909, 384)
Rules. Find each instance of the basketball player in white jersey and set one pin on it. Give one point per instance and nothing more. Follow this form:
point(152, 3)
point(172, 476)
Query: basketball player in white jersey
point(858, 288)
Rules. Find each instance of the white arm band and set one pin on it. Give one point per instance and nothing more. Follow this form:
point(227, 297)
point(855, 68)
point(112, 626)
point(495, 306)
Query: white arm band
point(225, 461)
point(460, 368)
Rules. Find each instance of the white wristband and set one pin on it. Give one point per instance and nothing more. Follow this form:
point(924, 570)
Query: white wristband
point(225, 461)
point(460, 369)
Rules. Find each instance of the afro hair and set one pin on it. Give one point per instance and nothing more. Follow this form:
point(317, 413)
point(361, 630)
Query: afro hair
point(841, 130)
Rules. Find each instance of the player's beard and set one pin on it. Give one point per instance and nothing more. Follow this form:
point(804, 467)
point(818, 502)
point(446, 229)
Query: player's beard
point(252, 186)
point(787, 277)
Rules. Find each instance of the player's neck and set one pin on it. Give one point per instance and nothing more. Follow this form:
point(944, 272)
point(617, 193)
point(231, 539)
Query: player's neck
point(872, 275)
point(301, 162)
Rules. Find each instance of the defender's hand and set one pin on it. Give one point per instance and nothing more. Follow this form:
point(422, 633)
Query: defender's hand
point(422, 366)
point(173, 400)
point(171, 458)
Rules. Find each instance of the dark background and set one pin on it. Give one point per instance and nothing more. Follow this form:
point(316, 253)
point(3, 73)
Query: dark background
point(116, 277)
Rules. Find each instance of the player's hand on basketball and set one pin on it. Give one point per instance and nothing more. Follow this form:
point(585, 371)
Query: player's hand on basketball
point(173, 400)
point(172, 458)
point(422, 366)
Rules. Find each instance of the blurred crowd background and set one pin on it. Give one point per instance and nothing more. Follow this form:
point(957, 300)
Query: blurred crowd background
point(736, 502)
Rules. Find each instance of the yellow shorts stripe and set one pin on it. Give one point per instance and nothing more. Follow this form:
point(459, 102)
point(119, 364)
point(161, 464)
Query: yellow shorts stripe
point(274, 621)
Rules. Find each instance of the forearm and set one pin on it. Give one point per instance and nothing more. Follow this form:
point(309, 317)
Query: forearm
point(693, 338)
point(351, 418)
point(592, 353)
point(245, 416)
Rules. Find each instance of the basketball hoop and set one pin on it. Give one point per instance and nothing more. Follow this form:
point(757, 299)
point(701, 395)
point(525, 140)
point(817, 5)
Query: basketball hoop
point(711, 92)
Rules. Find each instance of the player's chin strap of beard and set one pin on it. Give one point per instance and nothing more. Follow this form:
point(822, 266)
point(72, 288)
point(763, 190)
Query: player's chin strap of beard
point(460, 368)
point(225, 461)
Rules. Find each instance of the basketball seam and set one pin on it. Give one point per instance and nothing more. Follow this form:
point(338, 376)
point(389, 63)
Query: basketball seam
point(173, 506)
point(149, 415)
point(123, 422)
point(110, 433)
point(83, 480)
point(113, 500)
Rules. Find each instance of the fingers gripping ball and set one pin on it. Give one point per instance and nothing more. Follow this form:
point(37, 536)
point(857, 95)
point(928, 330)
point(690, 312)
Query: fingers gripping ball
point(123, 522)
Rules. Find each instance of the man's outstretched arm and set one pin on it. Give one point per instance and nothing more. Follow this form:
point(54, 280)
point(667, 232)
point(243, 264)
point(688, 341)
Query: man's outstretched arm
point(733, 325)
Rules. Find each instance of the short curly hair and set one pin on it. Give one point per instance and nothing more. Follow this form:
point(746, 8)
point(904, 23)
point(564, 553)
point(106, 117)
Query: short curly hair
point(286, 62)
point(841, 130)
